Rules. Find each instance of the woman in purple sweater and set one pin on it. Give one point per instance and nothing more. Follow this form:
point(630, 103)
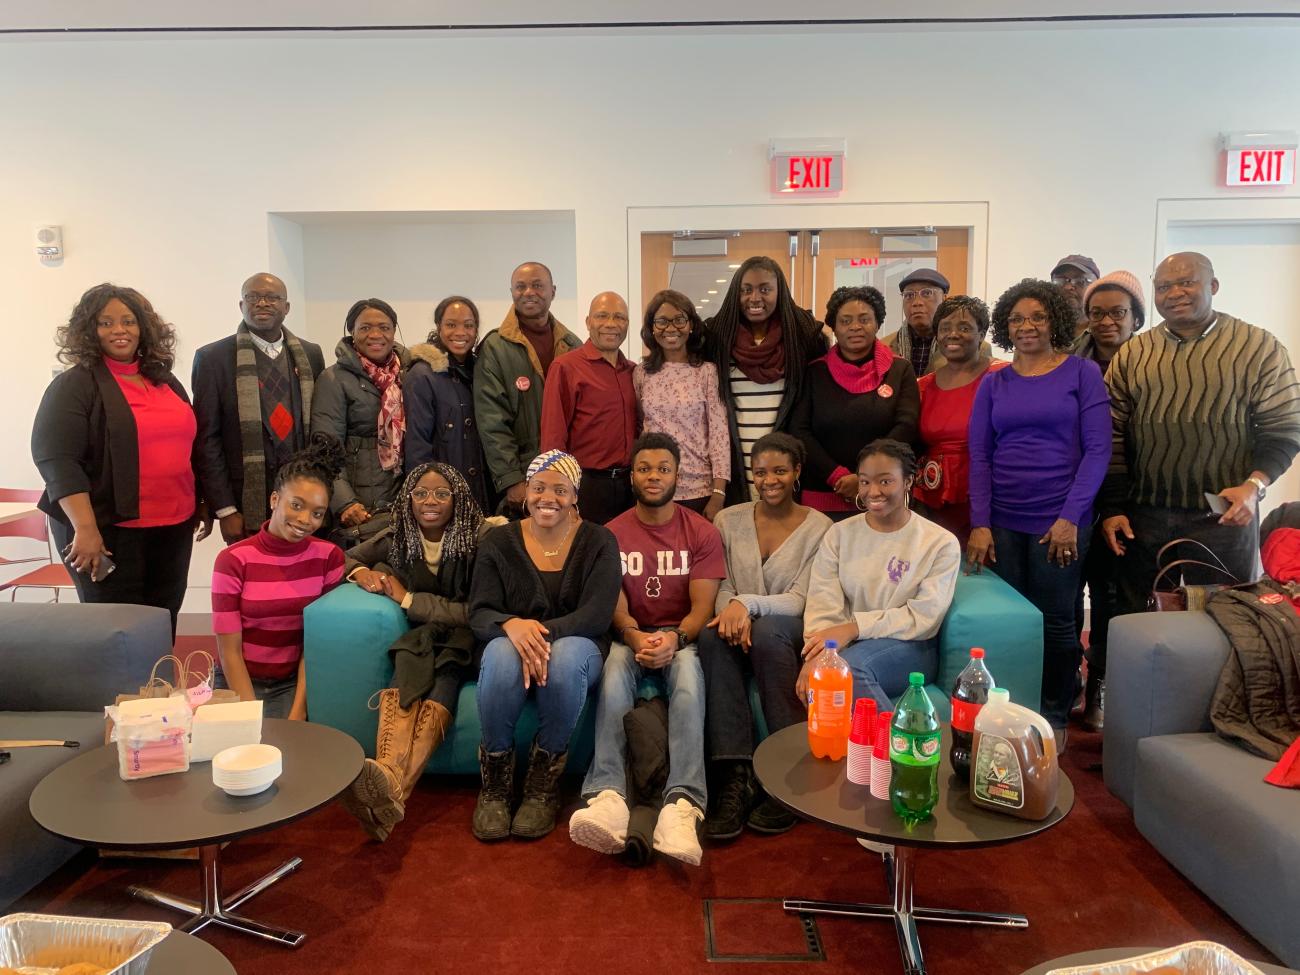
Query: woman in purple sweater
point(1039, 447)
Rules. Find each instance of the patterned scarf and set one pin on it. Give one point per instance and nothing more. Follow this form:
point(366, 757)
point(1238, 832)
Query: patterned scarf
point(392, 416)
point(860, 377)
point(248, 397)
point(763, 363)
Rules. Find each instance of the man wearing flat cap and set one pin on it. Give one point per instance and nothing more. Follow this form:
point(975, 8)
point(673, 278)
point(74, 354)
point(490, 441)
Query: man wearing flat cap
point(923, 292)
point(1072, 274)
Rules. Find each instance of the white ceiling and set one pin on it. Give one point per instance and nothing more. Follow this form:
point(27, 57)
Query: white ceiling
point(53, 18)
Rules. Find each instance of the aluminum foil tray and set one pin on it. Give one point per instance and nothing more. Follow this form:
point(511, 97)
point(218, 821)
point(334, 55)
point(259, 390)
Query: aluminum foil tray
point(37, 944)
point(1193, 958)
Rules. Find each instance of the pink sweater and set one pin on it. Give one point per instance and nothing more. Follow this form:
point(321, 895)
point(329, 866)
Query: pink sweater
point(682, 401)
point(260, 587)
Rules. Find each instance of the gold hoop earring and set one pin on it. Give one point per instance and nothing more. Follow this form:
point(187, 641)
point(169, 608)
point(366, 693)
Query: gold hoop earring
point(857, 502)
point(798, 487)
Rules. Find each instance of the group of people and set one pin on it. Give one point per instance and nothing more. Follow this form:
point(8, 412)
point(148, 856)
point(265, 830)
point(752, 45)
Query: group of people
point(555, 519)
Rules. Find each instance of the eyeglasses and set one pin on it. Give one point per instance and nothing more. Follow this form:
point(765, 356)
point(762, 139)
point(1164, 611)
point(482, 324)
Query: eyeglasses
point(1037, 318)
point(929, 294)
point(374, 330)
point(1066, 280)
point(421, 495)
point(1186, 284)
point(601, 317)
point(679, 324)
point(253, 300)
point(1101, 314)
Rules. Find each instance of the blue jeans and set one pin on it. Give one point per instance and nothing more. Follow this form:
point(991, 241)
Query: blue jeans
point(1022, 562)
point(684, 681)
point(881, 666)
point(276, 695)
point(573, 668)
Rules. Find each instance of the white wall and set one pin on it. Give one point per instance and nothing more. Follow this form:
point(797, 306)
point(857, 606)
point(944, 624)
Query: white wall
point(162, 158)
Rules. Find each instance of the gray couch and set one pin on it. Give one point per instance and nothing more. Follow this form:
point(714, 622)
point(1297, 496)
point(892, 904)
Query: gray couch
point(59, 666)
point(1199, 799)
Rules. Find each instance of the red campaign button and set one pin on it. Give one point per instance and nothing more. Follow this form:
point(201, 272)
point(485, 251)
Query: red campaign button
point(885, 391)
point(1271, 598)
point(523, 383)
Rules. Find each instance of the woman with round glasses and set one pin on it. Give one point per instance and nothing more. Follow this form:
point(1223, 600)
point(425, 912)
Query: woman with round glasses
point(1039, 448)
point(422, 563)
point(677, 390)
point(1115, 309)
point(359, 401)
point(947, 396)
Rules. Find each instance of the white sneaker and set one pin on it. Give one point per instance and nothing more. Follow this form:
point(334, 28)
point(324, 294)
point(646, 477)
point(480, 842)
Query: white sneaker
point(602, 826)
point(675, 832)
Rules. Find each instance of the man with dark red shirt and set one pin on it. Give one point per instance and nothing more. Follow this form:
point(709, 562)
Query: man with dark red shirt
point(589, 411)
point(673, 563)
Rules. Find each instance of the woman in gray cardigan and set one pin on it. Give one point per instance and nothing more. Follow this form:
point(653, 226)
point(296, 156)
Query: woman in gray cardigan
point(770, 544)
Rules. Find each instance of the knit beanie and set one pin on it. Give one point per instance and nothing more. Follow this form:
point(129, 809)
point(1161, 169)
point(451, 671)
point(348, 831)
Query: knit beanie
point(1126, 281)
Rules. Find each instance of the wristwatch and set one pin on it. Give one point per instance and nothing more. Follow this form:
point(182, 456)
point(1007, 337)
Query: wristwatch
point(682, 638)
point(1260, 486)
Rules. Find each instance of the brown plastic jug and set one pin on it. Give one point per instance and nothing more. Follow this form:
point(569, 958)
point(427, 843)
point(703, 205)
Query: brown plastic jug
point(1013, 760)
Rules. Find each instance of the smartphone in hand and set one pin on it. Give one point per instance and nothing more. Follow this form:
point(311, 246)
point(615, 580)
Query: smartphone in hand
point(1218, 503)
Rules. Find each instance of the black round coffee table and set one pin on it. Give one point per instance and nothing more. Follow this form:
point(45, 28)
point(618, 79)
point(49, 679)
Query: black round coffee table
point(181, 952)
point(86, 801)
point(1104, 955)
point(819, 791)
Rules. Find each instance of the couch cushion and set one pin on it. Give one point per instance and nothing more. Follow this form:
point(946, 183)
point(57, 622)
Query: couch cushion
point(1203, 803)
point(28, 854)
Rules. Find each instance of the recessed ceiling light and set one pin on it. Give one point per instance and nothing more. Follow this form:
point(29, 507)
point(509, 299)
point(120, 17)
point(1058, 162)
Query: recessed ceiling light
point(704, 301)
point(714, 292)
point(720, 281)
point(733, 266)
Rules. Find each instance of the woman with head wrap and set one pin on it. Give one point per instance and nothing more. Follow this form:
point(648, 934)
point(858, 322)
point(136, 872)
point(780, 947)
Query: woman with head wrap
point(542, 599)
point(421, 562)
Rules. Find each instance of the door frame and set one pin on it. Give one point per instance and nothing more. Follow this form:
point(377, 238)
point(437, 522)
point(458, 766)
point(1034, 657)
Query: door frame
point(973, 215)
point(1219, 209)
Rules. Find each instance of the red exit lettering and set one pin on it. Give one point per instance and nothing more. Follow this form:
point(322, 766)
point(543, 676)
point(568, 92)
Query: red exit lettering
point(1261, 165)
point(809, 173)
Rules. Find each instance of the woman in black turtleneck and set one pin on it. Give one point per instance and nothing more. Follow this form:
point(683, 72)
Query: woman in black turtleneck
point(858, 392)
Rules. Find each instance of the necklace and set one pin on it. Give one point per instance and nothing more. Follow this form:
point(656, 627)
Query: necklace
point(1052, 362)
point(559, 548)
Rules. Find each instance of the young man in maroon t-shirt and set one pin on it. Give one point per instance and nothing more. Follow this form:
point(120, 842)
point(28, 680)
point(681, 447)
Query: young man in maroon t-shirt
point(673, 564)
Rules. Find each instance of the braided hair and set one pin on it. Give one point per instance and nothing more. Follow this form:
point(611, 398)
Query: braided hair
point(321, 460)
point(459, 539)
point(798, 326)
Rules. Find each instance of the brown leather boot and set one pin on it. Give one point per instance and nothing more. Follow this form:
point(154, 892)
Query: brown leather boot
point(430, 729)
point(375, 796)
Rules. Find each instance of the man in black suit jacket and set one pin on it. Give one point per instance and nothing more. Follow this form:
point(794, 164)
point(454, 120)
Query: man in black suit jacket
point(252, 396)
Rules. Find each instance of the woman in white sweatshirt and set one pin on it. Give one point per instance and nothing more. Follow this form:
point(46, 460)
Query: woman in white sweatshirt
point(882, 582)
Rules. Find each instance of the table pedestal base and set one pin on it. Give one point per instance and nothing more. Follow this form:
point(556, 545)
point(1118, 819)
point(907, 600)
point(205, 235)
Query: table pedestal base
point(216, 910)
point(900, 874)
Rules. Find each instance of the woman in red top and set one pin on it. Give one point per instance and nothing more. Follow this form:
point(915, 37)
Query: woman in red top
point(947, 395)
point(113, 439)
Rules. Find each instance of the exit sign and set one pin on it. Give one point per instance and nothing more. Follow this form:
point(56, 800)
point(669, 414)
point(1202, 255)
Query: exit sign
point(1260, 167)
point(806, 167)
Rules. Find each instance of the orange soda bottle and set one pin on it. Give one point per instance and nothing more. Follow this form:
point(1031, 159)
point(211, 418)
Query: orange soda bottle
point(830, 700)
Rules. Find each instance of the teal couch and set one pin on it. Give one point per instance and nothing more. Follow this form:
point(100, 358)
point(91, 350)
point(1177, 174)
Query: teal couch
point(348, 633)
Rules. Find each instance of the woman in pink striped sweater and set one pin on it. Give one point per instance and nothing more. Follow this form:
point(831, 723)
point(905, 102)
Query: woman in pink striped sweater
point(261, 585)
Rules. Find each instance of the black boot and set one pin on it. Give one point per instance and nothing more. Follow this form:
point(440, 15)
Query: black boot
point(492, 812)
point(536, 815)
point(735, 797)
point(769, 816)
point(1094, 710)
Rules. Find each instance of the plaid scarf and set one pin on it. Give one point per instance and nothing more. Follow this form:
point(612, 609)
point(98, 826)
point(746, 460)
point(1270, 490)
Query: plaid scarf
point(392, 415)
point(249, 400)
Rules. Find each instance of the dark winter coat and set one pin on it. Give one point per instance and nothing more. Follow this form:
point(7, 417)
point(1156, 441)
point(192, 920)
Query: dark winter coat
point(439, 398)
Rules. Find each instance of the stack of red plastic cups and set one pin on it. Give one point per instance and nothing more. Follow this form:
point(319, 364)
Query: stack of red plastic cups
point(860, 736)
point(880, 769)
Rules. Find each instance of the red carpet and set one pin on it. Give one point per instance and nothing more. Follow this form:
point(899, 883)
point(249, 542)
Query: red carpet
point(432, 899)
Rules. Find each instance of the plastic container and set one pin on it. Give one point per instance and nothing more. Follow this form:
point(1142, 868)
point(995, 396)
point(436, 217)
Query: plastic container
point(830, 691)
point(880, 756)
point(246, 770)
point(915, 737)
point(47, 942)
point(153, 736)
point(860, 735)
point(1013, 763)
point(969, 694)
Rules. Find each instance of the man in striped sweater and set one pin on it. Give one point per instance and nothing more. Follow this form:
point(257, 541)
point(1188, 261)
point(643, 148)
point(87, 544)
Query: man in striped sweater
point(1203, 404)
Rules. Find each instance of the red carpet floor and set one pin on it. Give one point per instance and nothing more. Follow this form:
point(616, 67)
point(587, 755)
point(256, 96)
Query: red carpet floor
point(432, 899)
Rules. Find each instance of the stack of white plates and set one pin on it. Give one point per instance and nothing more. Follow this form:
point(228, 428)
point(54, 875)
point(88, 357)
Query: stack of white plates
point(246, 770)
